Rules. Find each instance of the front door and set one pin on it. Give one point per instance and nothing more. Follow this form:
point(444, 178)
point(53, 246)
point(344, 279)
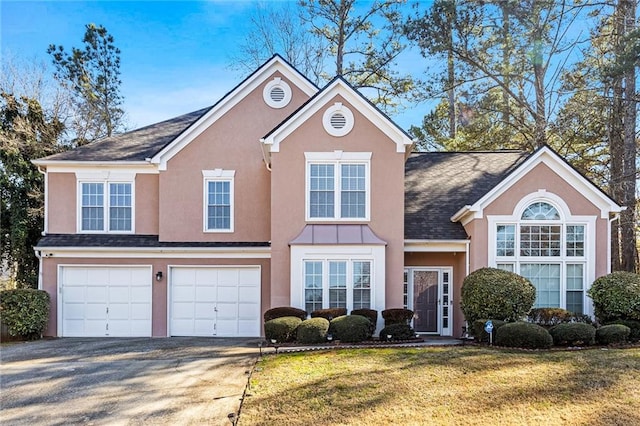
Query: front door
point(429, 296)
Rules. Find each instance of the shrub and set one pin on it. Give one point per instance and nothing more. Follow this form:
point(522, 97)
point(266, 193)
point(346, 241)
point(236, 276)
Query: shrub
point(613, 333)
point(572, 334)
point(350, 328)
point(329, 313)
point(523, 335)
point(313, 330)
point(634, 326)
point(282, 329)
point(478, 329)
point(616, 296)
point(397, 332)
point(548, 317)
point(397, 316)
point(494, 293)
point(284, 311)
point(25, 312)
point(370, 314)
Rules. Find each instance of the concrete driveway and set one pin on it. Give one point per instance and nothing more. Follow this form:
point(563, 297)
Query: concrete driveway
point(176, 381)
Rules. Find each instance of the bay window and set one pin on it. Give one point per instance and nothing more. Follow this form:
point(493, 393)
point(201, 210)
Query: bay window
point(337, 283)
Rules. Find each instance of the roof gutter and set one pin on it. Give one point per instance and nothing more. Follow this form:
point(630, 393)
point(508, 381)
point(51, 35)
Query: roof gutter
point(461, 213)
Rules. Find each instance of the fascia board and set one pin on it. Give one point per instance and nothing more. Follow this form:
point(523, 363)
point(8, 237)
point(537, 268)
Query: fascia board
point(228, 102)
point(141, 167)
point(548, 157)
point(355, 100)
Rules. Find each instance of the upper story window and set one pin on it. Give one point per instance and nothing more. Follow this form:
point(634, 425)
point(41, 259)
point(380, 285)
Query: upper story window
point(105, 202)
point(338, 189)
point(218, 200)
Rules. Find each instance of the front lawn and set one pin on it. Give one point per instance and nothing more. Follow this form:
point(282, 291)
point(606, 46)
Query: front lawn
point(451, 385)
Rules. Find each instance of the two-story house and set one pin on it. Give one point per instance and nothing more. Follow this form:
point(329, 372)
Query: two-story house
point(284, 194)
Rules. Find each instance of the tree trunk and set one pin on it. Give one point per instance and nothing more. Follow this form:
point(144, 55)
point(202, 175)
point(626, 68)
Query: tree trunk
point(451, 77)
point(506, 57)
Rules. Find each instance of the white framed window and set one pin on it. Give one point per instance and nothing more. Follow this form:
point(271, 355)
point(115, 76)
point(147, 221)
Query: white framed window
point(337, 283)
point(338, 120)
point(218, 200)
point(544, 243)
point(338, 189)
point(277, 93)
point(105, 202)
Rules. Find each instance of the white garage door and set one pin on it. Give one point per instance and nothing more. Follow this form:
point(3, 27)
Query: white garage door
point(106, 301)
point(215, 301)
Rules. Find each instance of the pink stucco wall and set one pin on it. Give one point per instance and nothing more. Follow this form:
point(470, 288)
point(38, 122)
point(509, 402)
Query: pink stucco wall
point(159, 290)
point(288, 196)
point(62, 207)
point(541, 177)
point(231, 143)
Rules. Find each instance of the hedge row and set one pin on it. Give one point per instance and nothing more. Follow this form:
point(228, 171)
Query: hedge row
point(25, 312)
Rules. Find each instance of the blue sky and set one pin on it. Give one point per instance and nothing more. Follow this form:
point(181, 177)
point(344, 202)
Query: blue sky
point(175, 54)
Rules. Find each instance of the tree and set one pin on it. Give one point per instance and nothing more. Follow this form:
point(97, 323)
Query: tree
point(26, 132)
point(93, 75)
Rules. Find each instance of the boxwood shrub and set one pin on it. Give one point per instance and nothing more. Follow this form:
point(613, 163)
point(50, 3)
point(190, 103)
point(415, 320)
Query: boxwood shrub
point(523, 335)
point(25, 312)
point(350, 328)
point(281, 329)
point(397, 332)
point(313, 330)
point(284, 311)
point(478, 329)
point(329, 313)
point(613, 333)
point(548, 317)
point(397, 316)
point(616, 296)
point(572, 334)
point(495, 293)
point(634, 326)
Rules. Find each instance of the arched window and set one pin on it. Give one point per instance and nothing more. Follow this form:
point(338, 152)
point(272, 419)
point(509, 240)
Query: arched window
point(543, 244)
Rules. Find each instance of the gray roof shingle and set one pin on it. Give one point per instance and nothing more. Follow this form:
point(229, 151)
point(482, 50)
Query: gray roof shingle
point(133, 241)
point(136, 145)
point(438, 184)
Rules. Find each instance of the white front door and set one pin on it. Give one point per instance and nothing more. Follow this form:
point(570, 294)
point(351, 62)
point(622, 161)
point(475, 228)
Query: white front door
point(105, 301)
point(215, 301)
point(429, 296)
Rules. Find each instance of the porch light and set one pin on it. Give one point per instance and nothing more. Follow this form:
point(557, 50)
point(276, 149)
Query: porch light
point(159, 276)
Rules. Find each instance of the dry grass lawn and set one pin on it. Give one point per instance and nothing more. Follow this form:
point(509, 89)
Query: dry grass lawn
point(446, 386)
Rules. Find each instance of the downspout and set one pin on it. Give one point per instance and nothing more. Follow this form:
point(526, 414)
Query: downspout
point(264, 155)
point(39, 256)
point(616, 216)
point(467, 261)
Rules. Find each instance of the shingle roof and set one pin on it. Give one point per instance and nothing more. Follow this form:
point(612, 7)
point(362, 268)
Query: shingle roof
point(438, 184)
point(136, 145)
point(132, 241)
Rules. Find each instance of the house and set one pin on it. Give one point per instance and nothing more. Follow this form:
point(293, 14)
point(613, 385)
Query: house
point(284, 194)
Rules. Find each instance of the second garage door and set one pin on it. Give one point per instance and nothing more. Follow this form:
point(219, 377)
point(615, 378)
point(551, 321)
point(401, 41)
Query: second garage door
point(215, 301)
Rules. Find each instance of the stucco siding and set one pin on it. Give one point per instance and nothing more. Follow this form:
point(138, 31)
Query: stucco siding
point(62, 208)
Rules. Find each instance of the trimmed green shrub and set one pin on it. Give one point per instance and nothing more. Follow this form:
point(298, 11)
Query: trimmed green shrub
point(495, 293)
point(548, 317)
point(350, 328)
point(370, 314)
point(313, 330)
point(616, 296)
point(478, 329)
point(572, 334)
point(282, 329)
point(284, 311)
point(397, 332)
point(25, 312)
point(613, 333)
point(397, 316)
point(329, 313)
point(523, 335)
point(634, 326)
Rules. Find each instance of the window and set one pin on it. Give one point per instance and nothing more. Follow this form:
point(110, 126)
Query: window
point(548, 250)
point(106, 206)
point(338, 190)
point(218, 203)
point(337, 284)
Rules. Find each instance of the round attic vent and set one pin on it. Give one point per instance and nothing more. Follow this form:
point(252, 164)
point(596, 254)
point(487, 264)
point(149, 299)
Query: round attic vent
point(338, 120)
point(277, 93)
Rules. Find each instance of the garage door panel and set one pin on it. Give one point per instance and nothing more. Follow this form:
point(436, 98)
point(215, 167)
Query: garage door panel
point(217, 295)
point(106, 301)
point(248, 328)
